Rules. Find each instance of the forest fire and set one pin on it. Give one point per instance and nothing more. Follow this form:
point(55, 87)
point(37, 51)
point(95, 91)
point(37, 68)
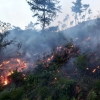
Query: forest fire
point(60, 55)
point(7, 68)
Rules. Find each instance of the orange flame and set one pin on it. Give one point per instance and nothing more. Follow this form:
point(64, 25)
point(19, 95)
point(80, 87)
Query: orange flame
point(7, 68)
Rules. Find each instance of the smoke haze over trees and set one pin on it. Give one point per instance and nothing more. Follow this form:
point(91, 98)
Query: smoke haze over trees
point(54, 63)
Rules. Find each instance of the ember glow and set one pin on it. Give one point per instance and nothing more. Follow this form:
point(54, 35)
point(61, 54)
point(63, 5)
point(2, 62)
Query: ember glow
point(87, 68)
point(88, 38)
point(50, 58)
point(76, 38)
point(5, 82)
point(55, 78)
point(98, 67)
point(7, 68)
point(94, 70)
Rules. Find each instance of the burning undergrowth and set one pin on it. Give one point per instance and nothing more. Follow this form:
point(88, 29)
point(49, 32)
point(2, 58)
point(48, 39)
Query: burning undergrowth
point(24, 53)
point(58, 56)
point(53, 48)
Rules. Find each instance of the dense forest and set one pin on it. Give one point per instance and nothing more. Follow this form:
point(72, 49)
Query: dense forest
point(55, 62)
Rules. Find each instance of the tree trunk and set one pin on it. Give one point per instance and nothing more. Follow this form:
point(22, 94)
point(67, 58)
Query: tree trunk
point(75, 18)
point(44, 18)
point(85, 15)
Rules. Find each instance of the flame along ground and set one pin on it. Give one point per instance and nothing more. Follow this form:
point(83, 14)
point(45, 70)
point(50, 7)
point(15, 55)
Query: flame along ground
point(7, 67)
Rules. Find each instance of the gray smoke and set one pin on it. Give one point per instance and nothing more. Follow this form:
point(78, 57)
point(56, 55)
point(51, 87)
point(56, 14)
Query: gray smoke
point(31, 43)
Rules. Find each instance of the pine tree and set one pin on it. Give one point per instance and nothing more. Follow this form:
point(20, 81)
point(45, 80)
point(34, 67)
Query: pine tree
point(77, 9)
point(44, 10)
point(86, 6)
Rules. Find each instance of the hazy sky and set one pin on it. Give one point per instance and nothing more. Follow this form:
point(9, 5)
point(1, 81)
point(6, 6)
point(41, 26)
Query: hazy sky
point(18, 13)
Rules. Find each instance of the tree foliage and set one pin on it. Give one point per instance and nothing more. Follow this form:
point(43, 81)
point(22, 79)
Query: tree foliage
point(86, 6)
point(77, 8)
point(44, 10)
point(81, 62)
point(4, 31)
